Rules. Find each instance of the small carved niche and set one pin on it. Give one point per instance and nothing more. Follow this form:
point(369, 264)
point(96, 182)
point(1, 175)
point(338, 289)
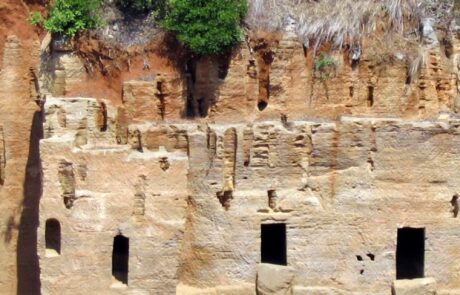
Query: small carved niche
point(67, 180)
point(164, 163)
point(272, 199)
point(102, 117)
point(455, 205)
point(82, 171)
point(52, 237)
point(224, 198)
point(136, 141)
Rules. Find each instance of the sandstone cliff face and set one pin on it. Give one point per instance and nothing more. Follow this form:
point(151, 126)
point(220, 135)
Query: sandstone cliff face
point(342, 189)
point(20, 126)
point(340, 163)
point(174, 186)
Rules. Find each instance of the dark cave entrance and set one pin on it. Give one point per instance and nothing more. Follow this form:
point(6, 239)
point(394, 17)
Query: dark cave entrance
point(410, 253)
point(120, 259)
point(53, 236)
point(273, 243)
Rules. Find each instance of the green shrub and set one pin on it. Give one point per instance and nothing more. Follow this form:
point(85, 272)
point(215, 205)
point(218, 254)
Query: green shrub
point(36, 18)
point(206, 26)
point(324, 67)
point(69, 17)
point(323, 62)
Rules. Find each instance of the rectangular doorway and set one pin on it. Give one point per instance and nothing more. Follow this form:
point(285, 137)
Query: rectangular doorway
point(273, 243)
point(120, 259)
point(410, 253)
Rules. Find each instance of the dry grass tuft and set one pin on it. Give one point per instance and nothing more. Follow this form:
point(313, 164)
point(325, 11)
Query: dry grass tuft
point(335, 21)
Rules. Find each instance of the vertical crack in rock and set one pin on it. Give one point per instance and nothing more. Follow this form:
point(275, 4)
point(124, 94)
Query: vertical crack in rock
point(230, 146)
point(248, 136)
point(67, 181)
point(252, 83)
point(161, 98)
point(81, 138)
point(373, 149)
point(455, 205)
point(265, 57)
point(2, 156)
point(92, 123)
point(102, 117)
point(211, 138)
point(34, 86)
point(370, 96)
point(260, 151)
point(272, 148)
point(335, 147)
point(139, 206)
point(302, 148)
point(191, 108)
point(139, 199)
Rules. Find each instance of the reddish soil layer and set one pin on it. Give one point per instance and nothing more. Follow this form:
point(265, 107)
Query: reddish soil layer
point(14, 15)
point(108, 66)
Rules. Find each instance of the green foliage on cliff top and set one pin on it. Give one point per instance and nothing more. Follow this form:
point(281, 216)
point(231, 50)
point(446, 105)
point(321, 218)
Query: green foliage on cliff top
point(143, 6)
point(69, 17)
point(206, 26)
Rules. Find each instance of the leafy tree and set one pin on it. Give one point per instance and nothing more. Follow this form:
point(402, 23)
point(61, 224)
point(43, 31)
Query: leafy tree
point(70, 17)
point(206, 26)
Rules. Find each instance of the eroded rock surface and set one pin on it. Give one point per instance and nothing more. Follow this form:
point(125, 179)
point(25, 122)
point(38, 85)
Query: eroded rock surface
point(168, 188)
point(191, 199)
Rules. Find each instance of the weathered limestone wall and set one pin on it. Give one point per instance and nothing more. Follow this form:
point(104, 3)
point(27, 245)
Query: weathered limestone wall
point(189, 168)
point(98, 189)
point(191, 199)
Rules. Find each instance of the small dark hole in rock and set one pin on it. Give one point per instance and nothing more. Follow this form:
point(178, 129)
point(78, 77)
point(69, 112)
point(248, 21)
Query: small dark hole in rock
point(103, 123)
point(359, 257)
point(225, 198)
point(371, 256)
point(455, 205)
point(361, 271)
point(203, 107)
point(370, 96)
point(189, 111)
point(408, 79)
point(354, 64)
point(262, 105)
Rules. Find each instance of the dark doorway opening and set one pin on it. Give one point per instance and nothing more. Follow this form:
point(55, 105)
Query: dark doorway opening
point(273, 243)
point(120, 259)
point(370, 96)
point(410, 253)
point(53, 237)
